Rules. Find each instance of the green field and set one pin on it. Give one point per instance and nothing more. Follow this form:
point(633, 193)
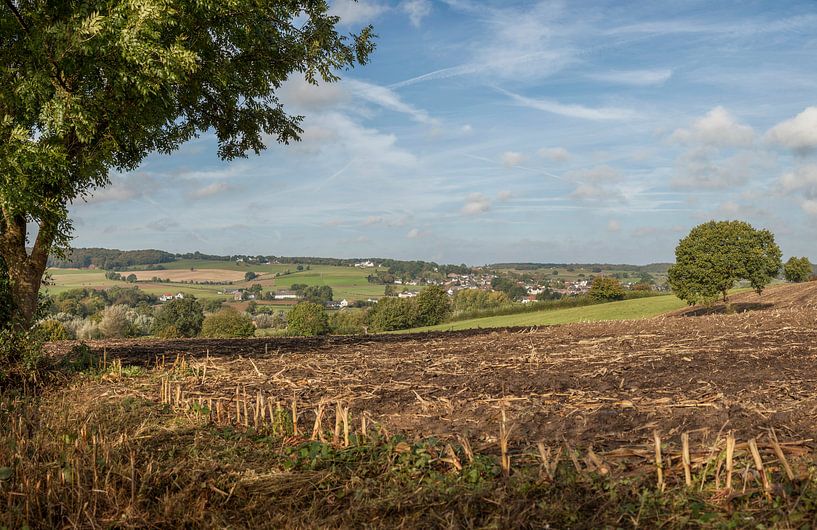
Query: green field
point(346, 282)
point(624, 310)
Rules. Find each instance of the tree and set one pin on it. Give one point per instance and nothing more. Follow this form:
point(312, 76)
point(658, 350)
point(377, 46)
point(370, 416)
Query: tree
point(797, 269)
point(606, 289)
point(250, 276)
point(433, 306)
point(392, 313)
point(715, 255)
point(90, 87)
point(308, 319)
point(185, 316)
point(227, 323)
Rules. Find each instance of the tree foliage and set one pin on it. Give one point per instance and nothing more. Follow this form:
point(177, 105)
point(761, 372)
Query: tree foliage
point(227, 323)
point(179, 317)
point(86, 87)
point(467, 300)
point(715, 255)
point(606, 289)
point(392, 313)
point(308, 319)
point(433, 306)
point(797, 269)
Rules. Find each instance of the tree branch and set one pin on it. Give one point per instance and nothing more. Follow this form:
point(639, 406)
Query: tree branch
point(18, 16)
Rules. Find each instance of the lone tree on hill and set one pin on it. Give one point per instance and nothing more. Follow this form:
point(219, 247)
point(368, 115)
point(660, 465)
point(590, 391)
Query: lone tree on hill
point(86, 87)
point(797, 270)
point(606, 289)
point(715, 255)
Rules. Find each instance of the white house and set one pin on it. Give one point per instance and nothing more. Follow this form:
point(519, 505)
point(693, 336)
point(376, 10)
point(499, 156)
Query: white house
point(407, 294)
point(343, 303)
point(286, 295)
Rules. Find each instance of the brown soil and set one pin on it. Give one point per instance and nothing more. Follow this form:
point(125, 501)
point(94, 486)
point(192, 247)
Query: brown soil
point(608, 383)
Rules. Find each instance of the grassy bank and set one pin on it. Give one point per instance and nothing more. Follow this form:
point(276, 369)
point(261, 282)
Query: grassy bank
point(623, 310)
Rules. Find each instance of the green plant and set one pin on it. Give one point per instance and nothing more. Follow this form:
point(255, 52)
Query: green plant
point(51, 330)
point(185, 315)
point(393, 313)
point(797, 269)
point(433, 306)
point(308, 319)
point(227, 323)
point(715, 255)
point(606, 289)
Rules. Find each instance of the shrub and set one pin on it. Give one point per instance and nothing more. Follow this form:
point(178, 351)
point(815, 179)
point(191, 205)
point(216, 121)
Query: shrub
point(308, 319)
point(264, 321)
point(393, 313)
point(115, 323)
point(51, 330)
point(348, 322)
point(227, 323)
point(606, 289)
point(185, 315)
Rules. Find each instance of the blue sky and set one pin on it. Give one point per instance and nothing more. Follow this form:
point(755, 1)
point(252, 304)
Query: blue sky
point(511, 131)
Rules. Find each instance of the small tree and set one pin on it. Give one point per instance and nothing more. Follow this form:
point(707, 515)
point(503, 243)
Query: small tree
point(393, 313)
point(115, 323)
point(715, 255)
point(250, 276)
point(606, 289)
point(797, 270)
point(227, 323)
point(433, 306)
point(182, 317)
point(308, 319)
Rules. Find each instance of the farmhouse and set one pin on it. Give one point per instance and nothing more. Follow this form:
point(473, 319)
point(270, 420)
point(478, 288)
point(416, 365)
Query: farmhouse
point(167, 297)
point(286, 295)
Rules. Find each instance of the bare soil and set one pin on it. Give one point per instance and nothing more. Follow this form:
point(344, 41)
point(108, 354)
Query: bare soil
point(197, 275)
point(609, 384)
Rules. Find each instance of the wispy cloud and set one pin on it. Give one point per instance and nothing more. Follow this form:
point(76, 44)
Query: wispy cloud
point(573, 111)
point(634, 77)
point(416, 10)
point(388, 99)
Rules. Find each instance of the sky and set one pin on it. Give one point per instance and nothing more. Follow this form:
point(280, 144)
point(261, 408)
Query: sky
point(496, 131)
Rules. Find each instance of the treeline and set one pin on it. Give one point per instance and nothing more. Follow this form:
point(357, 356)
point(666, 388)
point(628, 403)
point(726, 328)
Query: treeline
point(109, 259)
point(652, 267)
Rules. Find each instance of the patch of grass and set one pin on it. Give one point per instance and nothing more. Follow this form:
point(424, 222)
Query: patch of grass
point(623, 310)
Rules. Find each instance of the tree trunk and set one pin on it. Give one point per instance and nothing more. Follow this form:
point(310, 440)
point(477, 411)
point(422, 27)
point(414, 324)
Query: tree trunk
point(25, 270)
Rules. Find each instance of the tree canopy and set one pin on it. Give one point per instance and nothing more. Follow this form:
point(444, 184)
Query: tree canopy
point(797, 269)
point(86, 87)
point(715, 255)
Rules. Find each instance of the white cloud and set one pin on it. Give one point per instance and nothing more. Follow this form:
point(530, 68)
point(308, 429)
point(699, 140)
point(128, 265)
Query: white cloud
point(573, 111)
point(613, 226)
point(369, 150)
point(475, 204)
point(466, 129)
point(595, 192)
point(357, 12)
point(798, 134)
point(718, 129)
point(123, 188)
point(634, 77)
point(504, 196)
point(373, 220)
point(388, 99)
point(414, 233)
point(512, 158)
point(301, 94)
point(555, 154)
point(215, 188)
point(596, 174)
point(809, 206)
point(416, 10)
point(705, 168)
point(801, 180)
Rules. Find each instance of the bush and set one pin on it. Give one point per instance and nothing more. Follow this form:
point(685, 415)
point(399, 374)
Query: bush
point(264, 321)
point(433, 306)
point(227, 323)
point(606, 289)
point(185, 315)
point(478, 300)
point(308, 319)
point(797, 270)
point(393, 313)
point(115, 323)
point(51, 330)
point(348, 322)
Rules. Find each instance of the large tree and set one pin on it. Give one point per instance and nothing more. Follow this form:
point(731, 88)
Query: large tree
point(90, 86)
point(715, 255)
